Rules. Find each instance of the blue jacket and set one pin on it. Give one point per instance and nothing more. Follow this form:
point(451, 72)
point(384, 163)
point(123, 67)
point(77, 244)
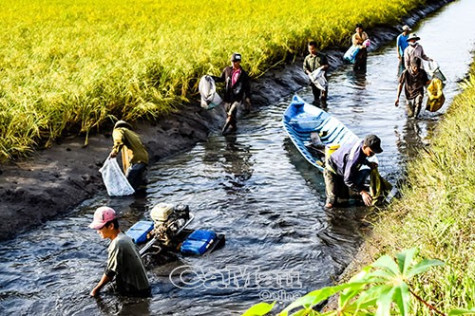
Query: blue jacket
point(401, 43)
point(347, 161)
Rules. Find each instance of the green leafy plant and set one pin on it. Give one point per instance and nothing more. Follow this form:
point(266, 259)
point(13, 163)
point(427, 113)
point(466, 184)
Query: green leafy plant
point(382, 288)
point(455, 312)
point(260, 309)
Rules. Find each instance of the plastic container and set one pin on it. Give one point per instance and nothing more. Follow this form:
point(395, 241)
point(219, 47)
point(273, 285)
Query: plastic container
point(198, 242)
point(139, 231)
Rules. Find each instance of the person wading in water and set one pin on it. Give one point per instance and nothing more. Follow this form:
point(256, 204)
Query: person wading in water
point(358, 39)
point(342, 171)
point(134, 154)
point(313, 61)
point(124, 263)
point(237, 91)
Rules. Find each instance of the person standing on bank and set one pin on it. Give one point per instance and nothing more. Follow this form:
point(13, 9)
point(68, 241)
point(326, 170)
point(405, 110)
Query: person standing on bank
point(358, 39)
point(401, 45)
point(237, 90)
point(342, 171)
point(313, 61)
point(413, 79)
point(124, 262)
point(414, 50)
point(134, 154)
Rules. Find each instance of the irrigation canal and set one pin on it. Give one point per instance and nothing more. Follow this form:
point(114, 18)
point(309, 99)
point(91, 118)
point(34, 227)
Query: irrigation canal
point(253, 187)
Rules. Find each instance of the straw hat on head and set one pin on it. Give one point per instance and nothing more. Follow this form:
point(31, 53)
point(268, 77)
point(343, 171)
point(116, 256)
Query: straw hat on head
point(413, 36)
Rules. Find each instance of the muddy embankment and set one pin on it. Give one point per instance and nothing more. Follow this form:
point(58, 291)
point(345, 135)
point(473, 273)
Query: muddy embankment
point(55, 180)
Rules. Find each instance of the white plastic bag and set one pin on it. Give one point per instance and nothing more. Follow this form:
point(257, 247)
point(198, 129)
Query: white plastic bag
point(209, 97)
point(434, 71)
point(318, 79)
point(114, 179)
point(351, 53)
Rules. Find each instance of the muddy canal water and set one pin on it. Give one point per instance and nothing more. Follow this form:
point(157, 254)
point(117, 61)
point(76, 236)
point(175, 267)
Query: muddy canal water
point(253, 187)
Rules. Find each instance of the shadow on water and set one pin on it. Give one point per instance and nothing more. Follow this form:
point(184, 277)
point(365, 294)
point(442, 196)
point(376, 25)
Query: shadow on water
point(254, 187)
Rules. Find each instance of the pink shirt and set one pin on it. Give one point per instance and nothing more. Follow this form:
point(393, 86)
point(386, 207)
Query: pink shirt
point(235, 76)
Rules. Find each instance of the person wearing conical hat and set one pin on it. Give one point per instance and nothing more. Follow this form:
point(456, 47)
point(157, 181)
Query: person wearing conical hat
point(414, 50)
point(134, 153)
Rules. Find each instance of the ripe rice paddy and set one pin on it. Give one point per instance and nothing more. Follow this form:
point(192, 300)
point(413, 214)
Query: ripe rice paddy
point(70, 66)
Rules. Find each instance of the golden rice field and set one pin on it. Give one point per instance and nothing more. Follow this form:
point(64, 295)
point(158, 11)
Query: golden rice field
point(71, 65)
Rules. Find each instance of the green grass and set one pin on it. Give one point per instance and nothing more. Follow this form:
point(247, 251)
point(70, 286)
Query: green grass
point(437, 211)
point(71, 65)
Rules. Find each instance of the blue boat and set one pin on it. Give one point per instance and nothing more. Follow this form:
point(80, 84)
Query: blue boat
point(301, 120)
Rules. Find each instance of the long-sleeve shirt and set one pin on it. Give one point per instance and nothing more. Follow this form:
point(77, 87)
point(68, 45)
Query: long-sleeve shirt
point(413, 51)
point(235, 89)
point(136, 152)
point(402, 44)
point(347, 161)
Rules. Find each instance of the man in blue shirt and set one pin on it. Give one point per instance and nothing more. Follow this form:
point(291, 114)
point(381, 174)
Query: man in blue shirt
point(343, 171)
point(401, 44)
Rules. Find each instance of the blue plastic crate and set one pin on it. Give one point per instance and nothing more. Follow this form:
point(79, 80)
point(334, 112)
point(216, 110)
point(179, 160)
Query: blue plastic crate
point(198, 242)
point(139, 231)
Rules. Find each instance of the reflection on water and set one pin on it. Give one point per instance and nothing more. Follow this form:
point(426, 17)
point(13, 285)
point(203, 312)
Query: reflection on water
point(238, 161)
point(252, 186)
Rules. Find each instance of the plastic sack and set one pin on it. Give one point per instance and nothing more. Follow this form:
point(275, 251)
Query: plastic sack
point(434, 71)
point(209, 97)
point(367, 43)
point(379, 187)
point(114, 179)
point(351, 53)
point(318, 79)
point(435, 95)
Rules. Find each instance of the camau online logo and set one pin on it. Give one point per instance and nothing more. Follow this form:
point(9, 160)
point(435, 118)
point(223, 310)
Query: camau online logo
point(273, 284)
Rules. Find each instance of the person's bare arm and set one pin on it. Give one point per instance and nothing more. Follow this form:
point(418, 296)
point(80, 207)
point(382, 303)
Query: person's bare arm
point(399, 89)
point(104, 280)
